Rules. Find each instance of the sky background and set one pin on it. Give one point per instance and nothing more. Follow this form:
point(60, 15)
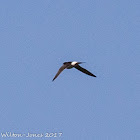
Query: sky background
point(36, 37)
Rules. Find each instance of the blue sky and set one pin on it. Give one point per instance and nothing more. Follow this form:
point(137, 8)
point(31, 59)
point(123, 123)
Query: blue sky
point(36, 37)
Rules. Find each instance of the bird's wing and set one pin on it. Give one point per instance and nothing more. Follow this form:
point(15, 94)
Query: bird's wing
point(84, 70)
point(59, 71)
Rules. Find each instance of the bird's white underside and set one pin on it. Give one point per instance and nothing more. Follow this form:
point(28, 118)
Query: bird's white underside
point(73, 63)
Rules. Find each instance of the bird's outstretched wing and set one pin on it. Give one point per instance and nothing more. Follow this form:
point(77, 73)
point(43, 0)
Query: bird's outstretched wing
point(84, 70)
point(59, 71)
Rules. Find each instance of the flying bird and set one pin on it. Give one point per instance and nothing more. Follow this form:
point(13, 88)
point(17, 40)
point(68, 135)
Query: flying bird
point(74, 64)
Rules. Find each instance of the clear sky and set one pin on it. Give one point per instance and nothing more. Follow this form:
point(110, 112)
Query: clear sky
point(36, 37)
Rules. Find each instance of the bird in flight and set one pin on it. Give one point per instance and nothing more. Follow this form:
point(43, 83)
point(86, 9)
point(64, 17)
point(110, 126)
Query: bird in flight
point(74, 64)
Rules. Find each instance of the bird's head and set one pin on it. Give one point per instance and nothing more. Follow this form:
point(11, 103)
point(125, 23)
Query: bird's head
point(74, 63)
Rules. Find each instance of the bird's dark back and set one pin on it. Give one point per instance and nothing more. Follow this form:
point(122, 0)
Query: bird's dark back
point(67, 63)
